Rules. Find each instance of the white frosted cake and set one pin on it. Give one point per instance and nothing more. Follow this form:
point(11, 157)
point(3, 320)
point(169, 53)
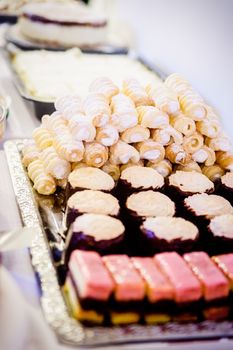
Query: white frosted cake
point(67, 24)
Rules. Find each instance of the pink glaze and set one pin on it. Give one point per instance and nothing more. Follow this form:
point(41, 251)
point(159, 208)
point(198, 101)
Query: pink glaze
point(214, 283)
point(129, 284)
point(157, 284)
point(225, 263)
point(186, 285)
point(90, 275)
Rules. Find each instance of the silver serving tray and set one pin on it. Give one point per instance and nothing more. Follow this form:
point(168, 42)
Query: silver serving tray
point(67, 329)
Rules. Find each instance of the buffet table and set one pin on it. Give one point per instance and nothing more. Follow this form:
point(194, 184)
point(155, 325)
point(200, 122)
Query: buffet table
point(20, 124)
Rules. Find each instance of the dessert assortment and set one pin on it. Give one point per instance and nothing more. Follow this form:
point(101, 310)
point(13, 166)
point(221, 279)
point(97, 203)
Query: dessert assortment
point(118, 290)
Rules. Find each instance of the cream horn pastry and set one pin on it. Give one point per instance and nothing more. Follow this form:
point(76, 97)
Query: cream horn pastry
point(193, 143)
point(190, 166)
point(96, 107)
point(219, 143)
point(122, 153)
point(164, 167)
point(213, 172)
point(81, 128)
point(42, 137)
point(95, 154)
point(70, 104)
point(30, 153)
point(129, 164)
point(176, 154)
point(204, 155)
point(112, 169)
point(167, 135)
point(78, 165)
point(107, 135)
point(124, 114)
point(164, 98)
point(43, 182)
point(209, 128)
point(67, 147)
point(53, 122)
point(132, 88)
point(212, 114)
point(225, 160)
point(135, 134)
point(104, 86)
point(53, 164)
point(89, 178)
point(151, 150)
point(183, 124)
point(152, 117)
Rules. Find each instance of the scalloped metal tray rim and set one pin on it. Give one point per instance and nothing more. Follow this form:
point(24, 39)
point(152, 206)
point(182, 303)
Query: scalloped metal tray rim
point(67, 329)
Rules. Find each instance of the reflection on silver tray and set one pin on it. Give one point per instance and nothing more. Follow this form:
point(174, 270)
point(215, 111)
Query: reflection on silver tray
point(55, 310)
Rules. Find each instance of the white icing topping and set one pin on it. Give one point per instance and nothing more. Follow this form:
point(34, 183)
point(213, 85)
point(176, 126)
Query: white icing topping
point(170, 228)
point(91, 178)
point(222, 226)
point(101, 227)
point(227, 180)
point(143, 177)
point(208, 205)
point(149, 203)
point(191, 181)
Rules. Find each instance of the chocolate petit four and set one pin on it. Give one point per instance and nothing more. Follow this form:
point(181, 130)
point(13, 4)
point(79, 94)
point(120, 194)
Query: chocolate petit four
point(220, 231)
point(137, 178)
point(97, 232)
point(182, 184)
point(90, 179)
point(225, 186)
point(169, 234)
point(89, 201)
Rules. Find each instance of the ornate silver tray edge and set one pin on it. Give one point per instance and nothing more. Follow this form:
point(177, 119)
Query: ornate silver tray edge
point(55, 310)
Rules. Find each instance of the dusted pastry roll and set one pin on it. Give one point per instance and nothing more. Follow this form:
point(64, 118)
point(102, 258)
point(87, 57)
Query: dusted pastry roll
point(193, 143)
point(53, 122)
point(209, 128)
point(137, 178)
point(220, 231)
point(95, 154)
point(89, 178)
point(169, 234)
point(176, 154)
point(191, 166)
point(164, 167)
point(30, 152)
point(133, 89)
point(149, 203)
point(107, 135)
point(213, 172)
point(129, 164)
point(81, 128)
point(98, 232)
point(191, 102)
point(89, 201)
point(112, 169)
point(42, 182)
point(182, 184)
point(55, 165)
point(167, 135)
point(225, 187)
point(183, 124)
point(164, 98)
point(135, 134)
point(225, 160)
point(96, 107)
point(204, 155)
point(104, 86)
point(67, 147)
point(122, 153)
point(152, 117)
point(42, 137)
point(124, 114)
point(69, 105)
point(219, 143)
point(151, 150)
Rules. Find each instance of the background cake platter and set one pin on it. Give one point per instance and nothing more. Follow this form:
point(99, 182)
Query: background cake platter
point(45, 214)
